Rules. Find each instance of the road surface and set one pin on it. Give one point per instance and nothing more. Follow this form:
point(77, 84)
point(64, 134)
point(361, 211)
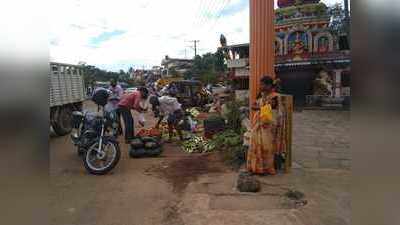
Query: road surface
point(183, 189)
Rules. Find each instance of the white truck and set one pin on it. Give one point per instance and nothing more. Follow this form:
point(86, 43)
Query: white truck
point(67, 93)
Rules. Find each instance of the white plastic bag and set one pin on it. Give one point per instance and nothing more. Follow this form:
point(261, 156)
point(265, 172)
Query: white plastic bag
point(141, 119)
point(192, 124)
point(246, 138)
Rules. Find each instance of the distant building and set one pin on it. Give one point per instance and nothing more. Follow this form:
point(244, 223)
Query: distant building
point(304, 46)
point(103, 84)
point(138, 75)
point(175, 65)
point(156, 70)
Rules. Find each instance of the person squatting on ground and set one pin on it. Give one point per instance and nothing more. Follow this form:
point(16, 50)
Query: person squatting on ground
point(170, 107)
point(132, 101)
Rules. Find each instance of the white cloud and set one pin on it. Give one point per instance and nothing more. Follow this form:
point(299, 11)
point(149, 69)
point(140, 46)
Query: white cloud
point(152, 29)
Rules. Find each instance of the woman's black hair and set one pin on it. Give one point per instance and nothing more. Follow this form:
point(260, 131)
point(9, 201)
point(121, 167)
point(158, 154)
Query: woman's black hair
point(154, 101)
point(266, 80)
point(144, 91)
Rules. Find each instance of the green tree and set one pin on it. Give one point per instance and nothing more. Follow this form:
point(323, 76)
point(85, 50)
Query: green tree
point(208, 67)
point(197, 67)
point(220, 62)
point(92, 74)
point(188, 75)
point(209, 77)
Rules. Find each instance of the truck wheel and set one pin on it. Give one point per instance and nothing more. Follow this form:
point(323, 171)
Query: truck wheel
point(63, 124)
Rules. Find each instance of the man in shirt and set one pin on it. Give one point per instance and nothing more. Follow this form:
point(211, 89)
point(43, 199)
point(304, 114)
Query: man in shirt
point(116, 89)
point(170, 107)
point(132, 101)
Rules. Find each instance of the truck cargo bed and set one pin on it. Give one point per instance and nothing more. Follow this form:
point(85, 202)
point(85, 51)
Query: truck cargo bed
point(66, 84)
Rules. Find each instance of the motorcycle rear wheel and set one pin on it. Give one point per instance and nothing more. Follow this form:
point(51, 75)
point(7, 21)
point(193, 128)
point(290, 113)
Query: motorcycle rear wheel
point(96, 164)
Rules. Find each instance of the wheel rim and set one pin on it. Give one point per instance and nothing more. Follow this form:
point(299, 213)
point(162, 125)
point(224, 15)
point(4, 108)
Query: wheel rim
point(102, 161)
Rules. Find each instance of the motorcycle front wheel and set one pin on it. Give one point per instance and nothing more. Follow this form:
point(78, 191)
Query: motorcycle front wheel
point(101, 163)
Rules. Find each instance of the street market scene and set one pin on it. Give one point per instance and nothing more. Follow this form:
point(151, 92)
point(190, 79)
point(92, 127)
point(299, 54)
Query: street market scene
point(252, 132)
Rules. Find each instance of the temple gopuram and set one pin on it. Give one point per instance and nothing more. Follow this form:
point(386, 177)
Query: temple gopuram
point(311, 59)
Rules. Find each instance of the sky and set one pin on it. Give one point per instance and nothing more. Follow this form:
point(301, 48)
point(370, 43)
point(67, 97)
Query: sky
point(119, 34)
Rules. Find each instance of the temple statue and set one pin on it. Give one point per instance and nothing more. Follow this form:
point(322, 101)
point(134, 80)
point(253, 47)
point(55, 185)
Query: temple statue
point(323, 45)
point(277, 47)
point(222, 40)
point(323, 84)
point(298, 47)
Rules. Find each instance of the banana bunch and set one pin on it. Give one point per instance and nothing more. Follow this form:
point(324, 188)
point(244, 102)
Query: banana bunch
point(197, 145)
point(194, 112)
point(209, 147)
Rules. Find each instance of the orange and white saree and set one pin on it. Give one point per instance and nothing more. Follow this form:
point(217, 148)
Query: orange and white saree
point(264, 140)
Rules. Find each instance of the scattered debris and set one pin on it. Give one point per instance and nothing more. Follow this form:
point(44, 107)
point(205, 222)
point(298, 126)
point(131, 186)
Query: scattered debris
point(301, 203)
point(294, 195)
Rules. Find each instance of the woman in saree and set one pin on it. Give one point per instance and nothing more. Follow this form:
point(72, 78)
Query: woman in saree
point(263, 140)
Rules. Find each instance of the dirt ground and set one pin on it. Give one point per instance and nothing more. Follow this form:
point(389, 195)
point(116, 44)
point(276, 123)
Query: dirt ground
point(188, 189)
point(187, 169)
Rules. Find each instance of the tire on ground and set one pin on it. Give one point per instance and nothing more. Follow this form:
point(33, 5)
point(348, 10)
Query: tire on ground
point(63, 124)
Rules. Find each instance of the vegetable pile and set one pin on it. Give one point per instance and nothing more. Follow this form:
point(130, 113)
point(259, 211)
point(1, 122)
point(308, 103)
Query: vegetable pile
point(145, 147)
point(197, 145)
point(228, 138)
point(230, 144)
point(152, 132)
point(193, 112)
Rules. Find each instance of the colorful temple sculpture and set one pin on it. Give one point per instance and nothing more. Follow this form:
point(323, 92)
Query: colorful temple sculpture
point(310, 59)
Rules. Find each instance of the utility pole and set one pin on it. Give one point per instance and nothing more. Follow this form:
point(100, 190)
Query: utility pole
point(195, 46)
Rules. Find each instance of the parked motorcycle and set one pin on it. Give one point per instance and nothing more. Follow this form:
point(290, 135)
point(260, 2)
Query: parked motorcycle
point(95, 135)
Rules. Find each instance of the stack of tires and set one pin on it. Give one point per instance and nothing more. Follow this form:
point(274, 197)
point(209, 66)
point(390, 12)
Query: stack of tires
point(145, 147)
